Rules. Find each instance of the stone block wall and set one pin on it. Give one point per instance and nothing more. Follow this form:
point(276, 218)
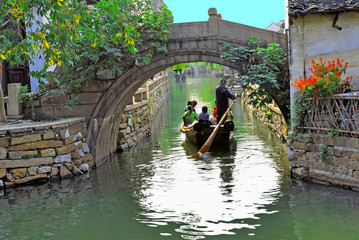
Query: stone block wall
point(321, 159)
point(271, 116)
point(134, 127)
point(43, 150)
point(136, 120)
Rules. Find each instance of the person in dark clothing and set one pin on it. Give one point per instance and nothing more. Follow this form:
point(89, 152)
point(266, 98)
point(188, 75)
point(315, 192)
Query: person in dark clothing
point(222, 96)
point(189, 103)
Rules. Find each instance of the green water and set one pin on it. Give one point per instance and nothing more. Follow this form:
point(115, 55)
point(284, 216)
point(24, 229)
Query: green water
point(156, 191)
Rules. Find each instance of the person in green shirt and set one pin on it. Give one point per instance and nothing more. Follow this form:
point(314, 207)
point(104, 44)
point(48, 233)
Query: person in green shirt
point(189, 116)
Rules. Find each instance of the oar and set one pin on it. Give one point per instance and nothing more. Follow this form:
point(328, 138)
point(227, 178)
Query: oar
point(209, 141)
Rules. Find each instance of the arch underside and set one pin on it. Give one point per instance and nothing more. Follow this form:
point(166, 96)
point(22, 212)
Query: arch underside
point(105, 121)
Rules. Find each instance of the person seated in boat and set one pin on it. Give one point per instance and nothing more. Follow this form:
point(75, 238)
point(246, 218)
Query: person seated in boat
point(222, 97)
point(189, 103)
point(189, 116)
point(204, 114)
point(194, 104)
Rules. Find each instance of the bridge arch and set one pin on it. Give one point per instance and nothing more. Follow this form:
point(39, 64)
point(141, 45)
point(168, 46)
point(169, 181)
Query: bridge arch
point(190, 42)
point(107, 116)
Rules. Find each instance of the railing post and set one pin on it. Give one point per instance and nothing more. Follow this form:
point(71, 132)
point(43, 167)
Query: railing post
point(213, 22)
point(14, 107)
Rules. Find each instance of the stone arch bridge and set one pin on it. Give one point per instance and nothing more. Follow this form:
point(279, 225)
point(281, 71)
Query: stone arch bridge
point(104, 101)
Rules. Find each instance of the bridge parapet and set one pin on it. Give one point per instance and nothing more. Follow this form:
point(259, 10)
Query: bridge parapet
point(223, 31)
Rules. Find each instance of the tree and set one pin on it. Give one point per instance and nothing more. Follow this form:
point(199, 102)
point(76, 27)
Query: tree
point(263, 70)
point(82, 41)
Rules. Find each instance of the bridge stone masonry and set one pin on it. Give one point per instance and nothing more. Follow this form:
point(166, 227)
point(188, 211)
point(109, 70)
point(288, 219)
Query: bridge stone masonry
point(104, 101)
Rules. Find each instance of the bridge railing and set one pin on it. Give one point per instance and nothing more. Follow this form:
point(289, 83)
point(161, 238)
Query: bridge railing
point(338, 114)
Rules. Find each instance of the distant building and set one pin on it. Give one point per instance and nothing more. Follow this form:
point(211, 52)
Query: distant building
point(276, 27)
point(156, 4)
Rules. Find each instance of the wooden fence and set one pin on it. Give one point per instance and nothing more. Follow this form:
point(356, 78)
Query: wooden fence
point(335, 114)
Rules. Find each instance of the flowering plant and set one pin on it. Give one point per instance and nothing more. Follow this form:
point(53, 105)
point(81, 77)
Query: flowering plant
point(326, 79)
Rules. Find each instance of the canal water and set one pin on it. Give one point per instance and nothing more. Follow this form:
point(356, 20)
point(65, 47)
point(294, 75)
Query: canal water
point(156, 191)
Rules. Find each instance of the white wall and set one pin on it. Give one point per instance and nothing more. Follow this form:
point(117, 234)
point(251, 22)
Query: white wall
point(313, 37)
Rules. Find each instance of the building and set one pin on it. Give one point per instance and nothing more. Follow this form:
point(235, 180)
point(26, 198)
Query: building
point(276, 27)
point(325, 29)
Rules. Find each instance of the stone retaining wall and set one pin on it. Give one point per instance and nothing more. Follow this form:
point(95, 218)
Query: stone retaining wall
point(136, 120)
point(43, 150)
point(270, 115)
point(321, 159)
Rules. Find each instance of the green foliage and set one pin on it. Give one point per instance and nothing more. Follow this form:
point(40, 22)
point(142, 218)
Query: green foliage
point(24, 94)
point(82, 41)
point(269, 114)
point(332, 133)
point(263, 72)
point(309, 140)
point(301, 106)
point(325, 153)
point(179, 68)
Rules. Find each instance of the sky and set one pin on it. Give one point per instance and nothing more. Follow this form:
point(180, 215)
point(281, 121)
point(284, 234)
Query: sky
point(255, 13)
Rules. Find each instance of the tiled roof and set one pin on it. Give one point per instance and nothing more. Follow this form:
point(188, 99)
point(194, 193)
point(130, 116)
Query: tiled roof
point(303, 7)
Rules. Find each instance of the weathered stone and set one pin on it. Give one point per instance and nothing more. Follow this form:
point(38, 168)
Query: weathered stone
point(9, 184)
point(345, 163)
point(355, 174)
point(50, 152)
point(349, 154)
point(32, 162)
point(32, 171)
point(2, 173)
point(76, 171)
point(77, 136)
point(68, 166)
point(81, 152)
point(21, 154)
point(31, 178)
point(353, 143)
point(36, 145)
point(3, 153)
point(299, 145)
point(62, 158)
point(84, 167)
point(44, 169)
point(75, 155)
point(72, 130)
point(9, 178)
point(48, 135)
point(77, 162)
point(85, 148)
point(53, 101)
point(91, 163)
point(54, 171)
point(69, 148)
point(4, 142)
point(26, 139)
point(18, 173)
point(297, 171)
point(87, 158)
point(89, 97)
point(65, 173)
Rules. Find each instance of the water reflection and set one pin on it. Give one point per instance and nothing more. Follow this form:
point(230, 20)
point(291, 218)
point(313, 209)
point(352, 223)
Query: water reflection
point(156, 191)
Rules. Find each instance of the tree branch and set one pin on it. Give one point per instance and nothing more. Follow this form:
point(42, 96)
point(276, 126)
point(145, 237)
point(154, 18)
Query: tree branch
point(4, 25)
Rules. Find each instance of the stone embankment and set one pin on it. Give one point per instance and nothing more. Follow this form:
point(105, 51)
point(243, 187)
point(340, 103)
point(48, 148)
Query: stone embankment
point(136, 120)
point(270, 115)
point(321, 159)
point(43, 150)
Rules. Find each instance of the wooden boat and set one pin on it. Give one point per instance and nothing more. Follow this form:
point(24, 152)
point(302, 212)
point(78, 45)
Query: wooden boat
point(198, 132)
